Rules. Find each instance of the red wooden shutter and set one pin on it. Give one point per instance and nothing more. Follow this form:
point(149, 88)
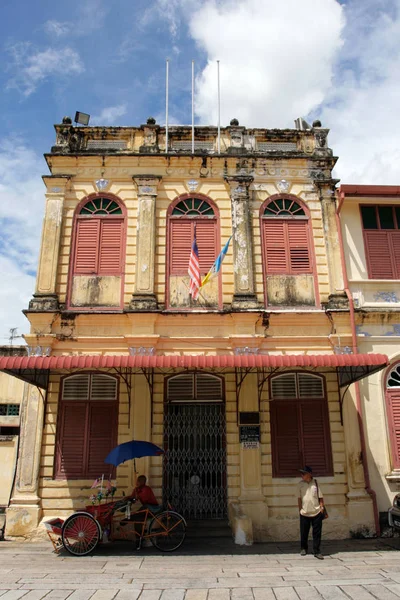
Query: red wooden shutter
point(86, 246)
point(70, 462)
point(275, 247)
point(315, 436)
point(299, 246)
point(393, 401)
point(206, 234)
point(377, 249)
point(102, 425)
point(110, 253)
point(181, 239)
point(395, 239)
point(286, 450)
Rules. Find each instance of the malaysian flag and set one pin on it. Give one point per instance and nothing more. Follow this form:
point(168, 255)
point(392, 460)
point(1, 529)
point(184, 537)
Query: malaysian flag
point(194, 270)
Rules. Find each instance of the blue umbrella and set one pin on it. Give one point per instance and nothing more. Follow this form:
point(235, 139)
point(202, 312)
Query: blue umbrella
point(132, 450)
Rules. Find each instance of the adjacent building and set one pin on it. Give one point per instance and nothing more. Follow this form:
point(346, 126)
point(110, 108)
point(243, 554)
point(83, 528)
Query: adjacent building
point(240, 387)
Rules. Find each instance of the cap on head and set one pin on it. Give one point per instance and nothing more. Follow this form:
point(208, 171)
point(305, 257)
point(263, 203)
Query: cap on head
point(306, 470)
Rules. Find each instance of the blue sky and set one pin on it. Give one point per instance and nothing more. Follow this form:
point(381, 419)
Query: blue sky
point(337, 61)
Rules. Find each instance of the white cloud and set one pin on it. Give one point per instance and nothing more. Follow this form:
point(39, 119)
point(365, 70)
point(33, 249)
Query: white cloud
point(32, 67)
point(57, 28)
point(110, 115)
point(276, 58)
point(21, 215)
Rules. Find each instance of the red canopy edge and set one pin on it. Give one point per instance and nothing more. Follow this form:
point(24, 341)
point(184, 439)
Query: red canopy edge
point(53, 363)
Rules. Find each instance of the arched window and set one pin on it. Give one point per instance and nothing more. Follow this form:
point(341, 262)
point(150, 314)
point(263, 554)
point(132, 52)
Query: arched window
point(194, 387)
point(87, 425)
point(185, 214)
point(285, 236)
point(392, 396)
point(299, 425)
point(98, 253)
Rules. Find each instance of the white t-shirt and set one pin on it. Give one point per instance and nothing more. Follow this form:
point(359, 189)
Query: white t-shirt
point(308, 492)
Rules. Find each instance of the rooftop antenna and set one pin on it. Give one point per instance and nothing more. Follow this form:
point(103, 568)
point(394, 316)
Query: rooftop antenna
point(13, 335)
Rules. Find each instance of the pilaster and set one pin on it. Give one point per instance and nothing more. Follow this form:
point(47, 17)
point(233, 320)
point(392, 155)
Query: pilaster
point(24, 512)
point(244, 292)
point(144, 297)
point(45, 297)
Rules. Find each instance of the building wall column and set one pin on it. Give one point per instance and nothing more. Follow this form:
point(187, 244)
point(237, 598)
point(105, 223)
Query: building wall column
point(144, 297)
point(24, 512)
point(45, 296)
point(244, 291)
point(360, 512)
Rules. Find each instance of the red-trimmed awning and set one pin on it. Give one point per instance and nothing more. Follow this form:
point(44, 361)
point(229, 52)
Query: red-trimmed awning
point(351, 367)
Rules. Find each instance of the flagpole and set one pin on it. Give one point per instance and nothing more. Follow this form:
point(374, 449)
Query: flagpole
point(166, 105)
point(192, 106)
point(219, 110)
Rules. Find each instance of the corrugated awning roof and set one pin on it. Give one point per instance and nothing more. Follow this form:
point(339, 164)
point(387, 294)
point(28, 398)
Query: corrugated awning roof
point(351, 367)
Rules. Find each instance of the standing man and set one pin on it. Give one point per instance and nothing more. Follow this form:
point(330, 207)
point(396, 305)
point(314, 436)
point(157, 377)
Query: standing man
point(311, 504)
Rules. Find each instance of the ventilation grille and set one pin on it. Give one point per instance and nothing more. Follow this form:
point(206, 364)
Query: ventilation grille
point(94, 387)
point(194, 387)
point(9, 410)
point(187, 145)
point(106, 145)
point(310, 387)
point(284, 386)
point(276, 146)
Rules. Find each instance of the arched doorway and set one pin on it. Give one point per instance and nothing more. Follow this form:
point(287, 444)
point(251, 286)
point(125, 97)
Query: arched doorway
point(194, 478)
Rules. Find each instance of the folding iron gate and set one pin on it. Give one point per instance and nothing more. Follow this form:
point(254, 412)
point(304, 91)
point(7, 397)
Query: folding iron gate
point(194, 479)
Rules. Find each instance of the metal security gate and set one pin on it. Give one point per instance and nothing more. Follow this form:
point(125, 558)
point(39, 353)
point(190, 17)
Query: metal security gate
point(194, 479)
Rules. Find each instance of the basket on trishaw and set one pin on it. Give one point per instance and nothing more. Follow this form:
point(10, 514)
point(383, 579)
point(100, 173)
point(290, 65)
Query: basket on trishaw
point(82, 531)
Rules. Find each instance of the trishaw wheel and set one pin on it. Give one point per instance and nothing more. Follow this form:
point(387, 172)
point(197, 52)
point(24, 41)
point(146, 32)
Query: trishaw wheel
point(80, 534)
point(167, 531)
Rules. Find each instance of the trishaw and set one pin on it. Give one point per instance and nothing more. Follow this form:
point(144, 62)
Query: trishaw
point(82, 531)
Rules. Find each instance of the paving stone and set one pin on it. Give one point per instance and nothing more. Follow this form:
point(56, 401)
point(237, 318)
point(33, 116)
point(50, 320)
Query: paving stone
point(80, 594)
point(218, 594)
point(36, 594)
point(357, 592)
point(346, 582)
point(150, 595)
point(242, 594)
point(196, 594)
point(381, 592)
point(307, 593)
point(263, 594)
point(14, 594)
point(173, 594)
point(332, 592)
point(104, 594)
point(58, 594)
point(128, 594)
point(286, 593)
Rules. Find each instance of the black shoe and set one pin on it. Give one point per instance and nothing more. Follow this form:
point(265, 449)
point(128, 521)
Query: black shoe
point(303, 552)
point(319, 556)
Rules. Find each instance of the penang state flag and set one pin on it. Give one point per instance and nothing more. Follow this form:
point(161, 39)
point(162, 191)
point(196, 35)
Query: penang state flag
point(217, 264)
point(194, 270)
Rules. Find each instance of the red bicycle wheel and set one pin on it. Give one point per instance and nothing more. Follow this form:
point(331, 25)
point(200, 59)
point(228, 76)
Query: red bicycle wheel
point(80, 534)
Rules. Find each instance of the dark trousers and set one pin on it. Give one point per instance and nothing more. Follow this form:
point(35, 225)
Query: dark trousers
point(316, 524)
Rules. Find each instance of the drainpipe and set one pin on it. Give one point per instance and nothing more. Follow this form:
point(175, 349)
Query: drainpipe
point(368, 488)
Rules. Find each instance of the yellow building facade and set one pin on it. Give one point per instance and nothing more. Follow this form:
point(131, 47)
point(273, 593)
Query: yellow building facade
point(240, 387)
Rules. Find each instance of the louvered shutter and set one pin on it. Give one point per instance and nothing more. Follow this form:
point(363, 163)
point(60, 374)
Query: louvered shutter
point(286, 450)
point(377, 249)
point(206, 233)
point(70, 460)
point(102, 425)
point(181, 240)
point(393, 400)
point(395, 240)
point(275, 247)
point(315, 436)
point(110, 252)
point(86, 246)
point(299, 246)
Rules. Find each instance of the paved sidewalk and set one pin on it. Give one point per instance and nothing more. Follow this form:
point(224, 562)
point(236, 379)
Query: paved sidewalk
point(214, 570)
